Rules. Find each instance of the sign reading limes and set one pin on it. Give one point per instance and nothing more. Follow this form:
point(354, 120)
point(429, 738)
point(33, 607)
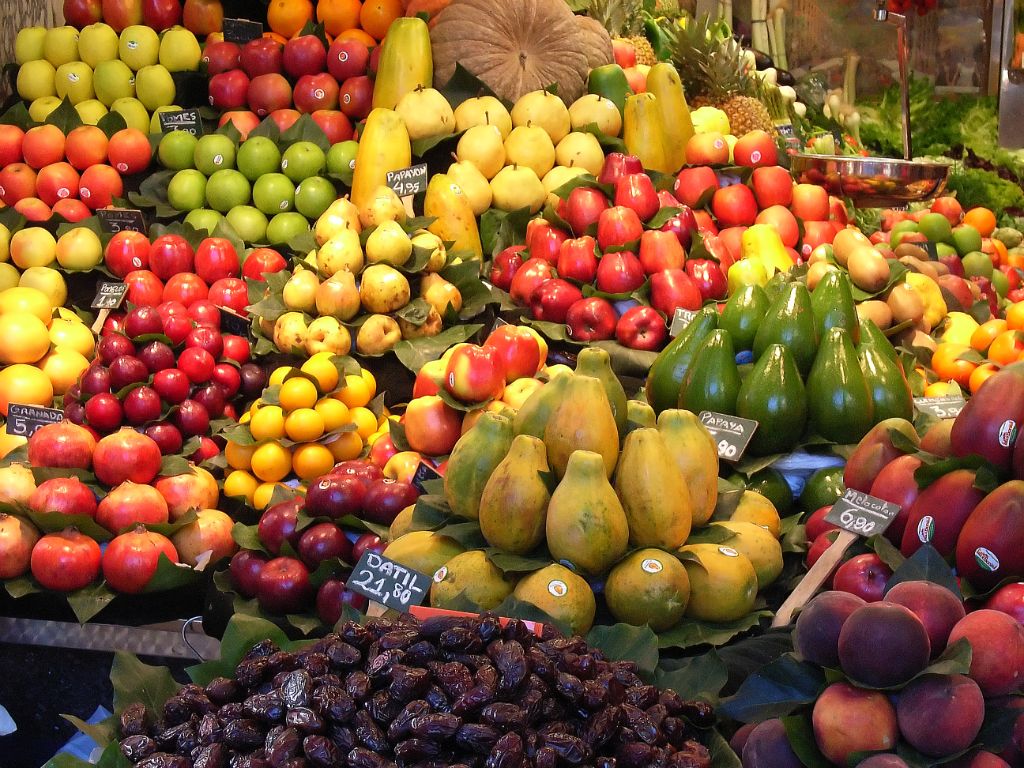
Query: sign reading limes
point(862, 514)
point(389, 583)
point(187, 120)
point(732, 434)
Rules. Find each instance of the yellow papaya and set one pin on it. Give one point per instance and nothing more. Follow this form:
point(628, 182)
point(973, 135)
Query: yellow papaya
point(583, 420)
point(695, 453)
point(383, 146)
point(473, 460)
point(663, 81)
point(514, 503)
point(406, 62)
point(453, 215)
point(654, 496)
point(644, 132)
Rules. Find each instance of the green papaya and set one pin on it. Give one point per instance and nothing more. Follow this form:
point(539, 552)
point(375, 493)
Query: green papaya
point(693, 450)
point(713, 381)
point(832, 303)
point(790, 322)
point(839, 405)
point(532, 417)
point(743, 313)
point(890, 392)
point(653, 493)
point(669, 369)
point(473, 460)
point(586, 525)
point(514, 503)
point(582, 420)
point(596, 362)
point(773, 394)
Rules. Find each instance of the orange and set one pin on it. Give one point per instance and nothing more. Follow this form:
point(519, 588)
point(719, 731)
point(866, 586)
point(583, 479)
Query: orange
point(981, 375)
point(239, 456)
point(1015, 259)
point(348, 446)
point(1006, 347)
point(271, 462)
point(370, 381)
point(365, 421)
point(358, 34)
point(982, 219)
point(240, 483)
point(985, 333)
point(333, 412)
point(298, 392)
point(355, 393)
point(304, 425)
point(338, 15)
point(279, 374)
point(997, 251)
point(274, 36)
point(268, 423)
point(312, 460)
point(287, 17)
point(376, 16)
point(1015, 316)
point(321, 367)
point(948, 366)
point(264, 494)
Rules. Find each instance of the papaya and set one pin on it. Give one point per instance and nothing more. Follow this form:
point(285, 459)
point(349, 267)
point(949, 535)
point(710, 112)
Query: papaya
point(643, 130)
point(454, 220)
point(596, 362)
point(532, 417)
point(639, 415)
point(472, 461)
point(773, 395)
point(649, 587)
point(653, 493)
point(839, 403)
point(561, 594)
point(992, 419)
point(406, 62)
point(663, 81)
point(743, 313)
point(514, 503)
point(990, 548)
point(713, 381)
point(586, 525)
point(582, 420)
point(473, 576)
point(423, 551)
point(790, 322)
point(383, 146)
point(669, 369)
point(940, 512)
point(693, 449)
point(723, 582)
point(832, 303)
point(890, 393)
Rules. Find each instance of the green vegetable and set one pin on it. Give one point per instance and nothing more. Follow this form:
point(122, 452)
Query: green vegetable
point(974, 187)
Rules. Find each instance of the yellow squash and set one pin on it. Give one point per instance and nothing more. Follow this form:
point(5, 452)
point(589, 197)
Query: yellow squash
point(644, 132)
point(383, 146)
point(406, 62)
point(663, 81)
point(453, 215)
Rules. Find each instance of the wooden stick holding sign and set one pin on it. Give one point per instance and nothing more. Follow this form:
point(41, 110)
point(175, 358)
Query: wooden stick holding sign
point(387, 584)
point(857, 514)
point(109, 296)
point(407, 183)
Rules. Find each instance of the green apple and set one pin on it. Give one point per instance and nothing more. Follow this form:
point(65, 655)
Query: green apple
point(179, 50)
point(227, 188)
point(91, 111)
point(302, 160)
point(113, 80)
point(37, 79)
point(74, 80)
point(341, 160)
point(273, 193)
point(97, 43)
point(284, 226)
point(154, 120)
point(257, 157)
point(250, 223)
point(133, 112)
point(203, 218)
point(314, 195)
point(28, 45)
point(176, 150)
point(41, 108)
point(60, 45)
point(214, 152)
point(138, 46)
point(154, 87)
point(977, 264)
point(187, 190)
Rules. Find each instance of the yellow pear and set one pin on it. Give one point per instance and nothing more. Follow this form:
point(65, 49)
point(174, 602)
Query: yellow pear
point(388, 244)
point(429, 327)
point(483, 110)
point(438, 253)
point(341, 252)
point(383, 289)
point(474, 184)
point(439, 293)
point(426, 113)
point(592, 109)
point(581, 150)
point(378, 335)
point(531, 146)
point(517, 186)
point(300, 291)
point(483, 146)
point(544, 110)
point(383, 205)
point(290, 332)
point(341, 214)
point(326, 334)
point(558, 176)
point(338, 296)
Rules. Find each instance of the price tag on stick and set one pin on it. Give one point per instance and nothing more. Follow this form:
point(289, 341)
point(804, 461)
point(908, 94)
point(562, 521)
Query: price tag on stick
point(424, 473)
point(232, 322)
point(108, 296)
point(387, 583)
point(408, 182)
point(732, 434)
point(681, 319)
point(857, 514)
point(24, 420)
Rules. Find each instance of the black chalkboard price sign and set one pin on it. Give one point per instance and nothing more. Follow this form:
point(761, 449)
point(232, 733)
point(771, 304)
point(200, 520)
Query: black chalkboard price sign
point(732, 434)
point(241, 31)
point(408, 181)
point(24, 420)
point(116, 220)
point(386, 582)
point(109, 295)
point(232, 322)
point(182, 120)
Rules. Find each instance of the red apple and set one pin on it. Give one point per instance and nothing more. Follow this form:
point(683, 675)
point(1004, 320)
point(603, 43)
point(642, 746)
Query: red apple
point(707, 149)
point(617, 165)
point(582, 208)
point(261, 56)
point(682, 225)
point(216, 258)
point(260, 261)
point(527, 277)
point(950, 208)
point(334, 123)
point(551, 300)
point(755, 149)
point(734, 206)
point(144, 288)
point(623, 53)
point(355, 97)
point(673, 289)
point(347, 58)
point(82, 13)
point(126, 251)
point(577, 259)
point(229, 90)
point(636, 191)
point(474, 374)
point(268, 93)
point(170, 255)
point(543, 241)
point(810, 202)
point(161, 14)
point(660, 250)
point(780, 219)
point(432, 427)
point(304, 55)
point(518, 349)
point(618, 226)
point(772, 186)
point(221, 56)
point(864, 576)
point(641, 328)
point(243, 120)
point(709, 278)
point(619, 272)
point(185, 288)
point(230, 293)
point(591, 319)
point(505, 265)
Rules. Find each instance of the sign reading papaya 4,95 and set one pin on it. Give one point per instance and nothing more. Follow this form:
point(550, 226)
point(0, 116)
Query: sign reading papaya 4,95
point(389, 583)
point(732, 434)
point(862, 514)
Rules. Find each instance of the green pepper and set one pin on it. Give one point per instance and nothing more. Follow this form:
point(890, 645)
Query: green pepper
point(661, 43)
point(610, 83)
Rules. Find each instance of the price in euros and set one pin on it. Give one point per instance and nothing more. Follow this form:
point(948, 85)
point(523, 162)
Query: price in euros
point(727, 450)
point(856, 523)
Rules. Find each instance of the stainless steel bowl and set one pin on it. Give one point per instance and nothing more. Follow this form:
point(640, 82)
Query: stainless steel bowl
point(872, 182)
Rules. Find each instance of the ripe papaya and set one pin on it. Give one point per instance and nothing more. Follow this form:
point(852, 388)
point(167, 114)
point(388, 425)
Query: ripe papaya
point(583, 420)
point(453, 215)
point(406, 62)
point(514, 503)
point(383, 146)
point(653, 493)
point(693, 449)
point(644, 132)
point(596, 362)
point(473, 460)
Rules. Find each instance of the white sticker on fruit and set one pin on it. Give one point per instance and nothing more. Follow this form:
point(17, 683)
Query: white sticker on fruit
point(558, 588)
point(218, 159)
point(755, 156)
point(73, 77)
point(718, 144)
point(926, 529)
point(63, 192)
point(133, 44)
point(987, 559)
point(652, 566)
point(728, 551)
point(319, 93)
point(1007, 433)
point(440, 574)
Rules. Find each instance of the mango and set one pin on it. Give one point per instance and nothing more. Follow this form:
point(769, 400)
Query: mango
point(990, 547)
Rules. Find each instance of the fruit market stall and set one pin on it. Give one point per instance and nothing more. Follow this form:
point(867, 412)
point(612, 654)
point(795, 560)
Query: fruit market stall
point(429, 391)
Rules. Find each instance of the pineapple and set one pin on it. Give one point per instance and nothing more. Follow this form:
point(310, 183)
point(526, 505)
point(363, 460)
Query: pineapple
point(624, 20)
point(714, 74)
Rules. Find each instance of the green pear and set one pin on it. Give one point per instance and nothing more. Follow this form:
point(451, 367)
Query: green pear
point(91, 111)
point(41, 108)
point(113, 80)
point(179, 50)
point(133, 112)
point(97, 43)
point(154, 87)
point(60, 45)
point(138, 46)
point(74, 80)
point(28, 45)
point(37, 79)
point(388, 244)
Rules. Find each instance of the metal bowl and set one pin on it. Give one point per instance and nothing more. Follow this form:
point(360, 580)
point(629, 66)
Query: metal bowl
point(872, 182)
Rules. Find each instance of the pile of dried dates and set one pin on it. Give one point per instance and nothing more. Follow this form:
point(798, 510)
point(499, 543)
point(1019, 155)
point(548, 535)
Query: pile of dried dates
point(444, 693)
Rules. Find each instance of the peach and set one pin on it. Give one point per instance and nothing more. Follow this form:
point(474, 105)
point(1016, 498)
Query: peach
point(816, 637)
point(937, 608)
point(847, 720)
point(883, 644)
point(767, 747)
point(940, 715)
point(997, 650)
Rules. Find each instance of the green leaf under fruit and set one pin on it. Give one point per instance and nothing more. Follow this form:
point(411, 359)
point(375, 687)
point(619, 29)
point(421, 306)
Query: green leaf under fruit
point(625, 642)
point(65, 117)
point(691, 632)
point(722, 755)
point(776, 690)
point(695, 677)
point(134, 682)
point(926, 565)
point(414, 353)
point(241, 634)
point(509, 563)
point(800, 735)
point(515, 608)
point(464, 85)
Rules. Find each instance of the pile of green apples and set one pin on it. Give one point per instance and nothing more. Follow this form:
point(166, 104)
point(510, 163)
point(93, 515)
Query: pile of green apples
point(101, 71)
